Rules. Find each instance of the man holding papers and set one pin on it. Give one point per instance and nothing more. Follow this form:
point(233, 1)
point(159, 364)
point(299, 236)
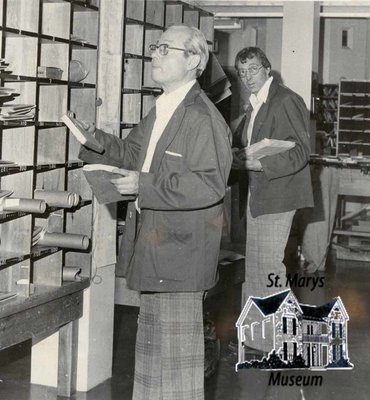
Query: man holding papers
point(279, 184)
point(176, 162)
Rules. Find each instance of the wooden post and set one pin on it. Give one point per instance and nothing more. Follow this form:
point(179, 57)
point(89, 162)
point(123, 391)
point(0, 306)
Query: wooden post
point(67, 359)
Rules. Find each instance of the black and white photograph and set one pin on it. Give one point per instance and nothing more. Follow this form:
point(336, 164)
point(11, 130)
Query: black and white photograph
point(184, 199)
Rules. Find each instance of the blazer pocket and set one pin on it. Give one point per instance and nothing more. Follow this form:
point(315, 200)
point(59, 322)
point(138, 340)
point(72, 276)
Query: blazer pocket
point(173, 162)
point(171, 153)
point(174, 247)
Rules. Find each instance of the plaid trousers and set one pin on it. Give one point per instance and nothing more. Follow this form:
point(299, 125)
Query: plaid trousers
point(169, 353)
point(267, 236)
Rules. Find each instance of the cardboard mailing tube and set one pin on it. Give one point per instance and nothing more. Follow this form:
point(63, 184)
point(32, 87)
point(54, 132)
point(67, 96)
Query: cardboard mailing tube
point(71, 274)
point(56, 198)
point(25, 205)
point(65, 240)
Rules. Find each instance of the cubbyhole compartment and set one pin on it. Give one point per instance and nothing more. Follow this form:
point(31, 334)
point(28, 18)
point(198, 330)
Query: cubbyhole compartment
point(22, 14)
point(191, 18)
point(80, 222)
point(53, 222)
point(131, 108)
point(77, 183)
point(148, 81)
point(85, 25)
point(26, 91)
point(15, 238)
point(148, 104)
point(21, 54)
point(135, 9)
point(52, 15)
point(132, 73)
point(18, 145)
point(51, 180)
point(155, 12)
point(20, 184)
point(82, 103)
point(51, 145)
point(151, 37)
point(174, 14)
point(83, 65)
point(134, 36)
point(15, 281)
point(55, 54)
point(51, 111)
point(206, 26)
point(47, 271)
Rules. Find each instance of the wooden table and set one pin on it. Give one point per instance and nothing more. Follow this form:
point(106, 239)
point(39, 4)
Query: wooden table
point(48, 310)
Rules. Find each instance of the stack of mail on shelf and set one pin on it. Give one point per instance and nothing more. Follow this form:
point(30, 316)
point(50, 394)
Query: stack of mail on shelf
point(17, 112)
point(3, 66)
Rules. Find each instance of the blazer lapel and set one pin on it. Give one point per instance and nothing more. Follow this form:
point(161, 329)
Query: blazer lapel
point(172, 127)
point(258, 122)
point(262, 113)
point(167, 137)
point(147, 133)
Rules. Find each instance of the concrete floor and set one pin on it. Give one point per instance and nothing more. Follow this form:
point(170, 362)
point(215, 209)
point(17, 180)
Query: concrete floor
point(349, 280)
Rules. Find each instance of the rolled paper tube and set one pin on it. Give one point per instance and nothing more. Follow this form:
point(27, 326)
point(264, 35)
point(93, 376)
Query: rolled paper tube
point(71, 274)
point(76, 199)
point(26, 205)
point(65, 240)
point(56, 198)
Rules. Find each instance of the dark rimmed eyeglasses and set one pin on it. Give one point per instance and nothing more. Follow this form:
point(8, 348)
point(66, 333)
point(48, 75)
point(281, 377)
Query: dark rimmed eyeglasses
point(252, 70)
point(163, 49)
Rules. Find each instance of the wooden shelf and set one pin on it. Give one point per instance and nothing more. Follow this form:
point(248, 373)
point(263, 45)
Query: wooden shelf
point(342, 232)
point(45, 33)
point(354, 117)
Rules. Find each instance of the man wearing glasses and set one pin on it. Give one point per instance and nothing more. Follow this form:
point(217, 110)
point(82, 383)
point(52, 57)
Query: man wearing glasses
point(176, 161)
point(278, 185)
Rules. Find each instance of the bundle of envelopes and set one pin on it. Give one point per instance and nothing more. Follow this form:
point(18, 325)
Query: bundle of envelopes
point(16, 112)
point(3, 66)
point(7, 94)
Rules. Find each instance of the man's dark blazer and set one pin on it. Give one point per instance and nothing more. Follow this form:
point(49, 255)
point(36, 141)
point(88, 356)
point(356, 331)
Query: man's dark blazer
point(285, 183)
point(178, 235)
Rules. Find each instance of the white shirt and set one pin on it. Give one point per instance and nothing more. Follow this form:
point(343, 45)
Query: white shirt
point(166, 105)
point(256, 102)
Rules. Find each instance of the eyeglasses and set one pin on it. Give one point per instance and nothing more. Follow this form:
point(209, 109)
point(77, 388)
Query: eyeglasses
point(163, 49)
point(252, 70)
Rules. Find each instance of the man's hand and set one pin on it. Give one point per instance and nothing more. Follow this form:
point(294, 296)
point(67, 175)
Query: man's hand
point(83, 125)
point(242, 162)
point(253, 165)
point(238, 163)
point(129, 183)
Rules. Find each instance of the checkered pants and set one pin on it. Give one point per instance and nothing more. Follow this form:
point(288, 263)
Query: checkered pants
point(267, 236)
point(169, 357)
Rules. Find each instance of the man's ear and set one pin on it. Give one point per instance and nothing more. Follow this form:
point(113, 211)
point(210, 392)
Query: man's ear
point(193, 61)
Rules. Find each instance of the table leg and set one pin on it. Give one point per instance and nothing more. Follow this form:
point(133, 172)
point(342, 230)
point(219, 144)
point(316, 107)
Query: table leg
point(67, 359)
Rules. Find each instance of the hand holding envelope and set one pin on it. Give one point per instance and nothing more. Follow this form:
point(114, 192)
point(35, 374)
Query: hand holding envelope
point(243, 161)
point(128, 183)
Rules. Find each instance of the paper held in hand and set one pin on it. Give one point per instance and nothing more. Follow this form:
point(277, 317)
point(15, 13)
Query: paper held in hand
point(82, 135)
point(267, 147)
point(99, 178)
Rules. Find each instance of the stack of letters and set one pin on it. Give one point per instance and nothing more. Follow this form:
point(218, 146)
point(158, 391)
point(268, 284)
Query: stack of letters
point(17, 112)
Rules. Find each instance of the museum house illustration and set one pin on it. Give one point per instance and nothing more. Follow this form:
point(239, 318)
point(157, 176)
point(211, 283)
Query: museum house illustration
point(286, 328)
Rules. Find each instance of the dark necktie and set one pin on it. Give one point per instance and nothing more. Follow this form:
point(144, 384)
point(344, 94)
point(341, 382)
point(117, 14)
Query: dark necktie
point(244, 136)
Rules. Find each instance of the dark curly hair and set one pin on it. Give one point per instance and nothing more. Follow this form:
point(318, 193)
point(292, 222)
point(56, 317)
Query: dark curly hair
point(250, 52)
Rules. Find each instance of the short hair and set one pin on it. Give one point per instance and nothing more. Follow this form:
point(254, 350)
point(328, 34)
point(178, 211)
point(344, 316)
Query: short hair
point(195, 44)
point(250, 52)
